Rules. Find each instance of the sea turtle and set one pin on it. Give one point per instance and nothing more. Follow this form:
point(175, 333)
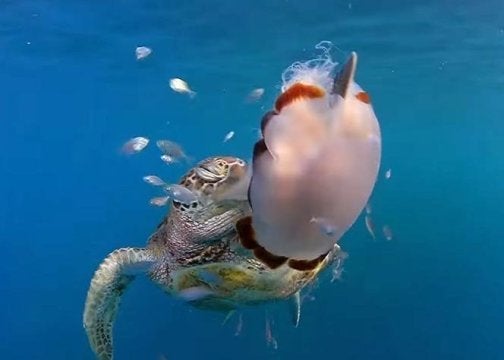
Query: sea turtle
point(195, 254)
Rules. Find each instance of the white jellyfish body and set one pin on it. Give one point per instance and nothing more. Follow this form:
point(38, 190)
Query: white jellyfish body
point(318, 159)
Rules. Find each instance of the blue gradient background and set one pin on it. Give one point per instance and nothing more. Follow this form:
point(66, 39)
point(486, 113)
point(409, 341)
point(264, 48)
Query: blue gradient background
point(75, 93)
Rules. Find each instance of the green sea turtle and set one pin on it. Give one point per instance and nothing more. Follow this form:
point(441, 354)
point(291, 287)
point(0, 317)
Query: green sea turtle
point(195, 254)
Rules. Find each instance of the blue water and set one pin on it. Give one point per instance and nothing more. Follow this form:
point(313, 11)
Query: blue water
point(72, 93)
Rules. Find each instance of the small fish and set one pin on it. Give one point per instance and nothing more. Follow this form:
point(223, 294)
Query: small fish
point(228, 136)
point(180, 86)
point(307, 298)
point(388, 174)
point(239, 326)
point(255, 95)
point(368, 208)
point(325, 226)
point(337, 272)
point(181, 194)
point(270, 340)
point(387, 232)
point(154, 180)
point(370, 226)
point(173, 150)
point(159, 201)
point(142, 52)
point(135, 145)
point(168, 160)
point(195, 293)
point(229, 315)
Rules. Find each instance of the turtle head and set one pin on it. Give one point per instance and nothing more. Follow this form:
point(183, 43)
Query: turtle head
point(221, 177)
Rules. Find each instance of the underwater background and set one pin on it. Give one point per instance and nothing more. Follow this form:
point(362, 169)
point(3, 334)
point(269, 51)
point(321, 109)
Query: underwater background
point(72, 92)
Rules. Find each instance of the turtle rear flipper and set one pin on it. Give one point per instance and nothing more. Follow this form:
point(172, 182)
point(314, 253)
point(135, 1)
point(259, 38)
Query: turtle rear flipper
point(109, 282)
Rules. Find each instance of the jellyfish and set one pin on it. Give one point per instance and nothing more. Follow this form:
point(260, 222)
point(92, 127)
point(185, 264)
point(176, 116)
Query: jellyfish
point(318, 158)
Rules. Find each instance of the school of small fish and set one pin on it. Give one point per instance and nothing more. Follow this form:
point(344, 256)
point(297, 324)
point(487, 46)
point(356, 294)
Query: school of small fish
point(182, 87)
point(135, 145)
point(142, 52)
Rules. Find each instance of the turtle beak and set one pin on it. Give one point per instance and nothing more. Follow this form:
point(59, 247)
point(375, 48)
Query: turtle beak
point(345, 76)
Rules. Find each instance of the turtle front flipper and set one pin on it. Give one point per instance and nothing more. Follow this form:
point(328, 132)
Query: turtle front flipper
point(109, 282)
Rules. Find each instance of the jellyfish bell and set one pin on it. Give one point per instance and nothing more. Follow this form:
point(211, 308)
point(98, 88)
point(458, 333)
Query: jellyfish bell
point(318, 158)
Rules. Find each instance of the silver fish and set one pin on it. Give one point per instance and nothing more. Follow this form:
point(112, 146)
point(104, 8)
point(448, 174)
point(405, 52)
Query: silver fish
point(142, 52)
point(180, 194)
point(255, 95)
point(369, 209)
point(388, 174)
point(172, 149)
point(135, 145)
point(154, 180)
point(337, 272)
point(239, 325)
point(229, 315)
point(181, 86)
point(387, 232)
point(270, 340)
point(228, 136)
point(370, 226)
point(168, 160)
point(159, 201)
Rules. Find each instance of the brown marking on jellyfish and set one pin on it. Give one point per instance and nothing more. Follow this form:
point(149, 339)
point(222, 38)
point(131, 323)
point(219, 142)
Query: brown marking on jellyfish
point(363, 97)
point(296, 92)
point(269, 259)
point(259, 149)
point(306, 265)
point(246, 233)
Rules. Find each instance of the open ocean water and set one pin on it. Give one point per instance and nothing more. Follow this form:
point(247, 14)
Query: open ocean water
point(72, 93)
